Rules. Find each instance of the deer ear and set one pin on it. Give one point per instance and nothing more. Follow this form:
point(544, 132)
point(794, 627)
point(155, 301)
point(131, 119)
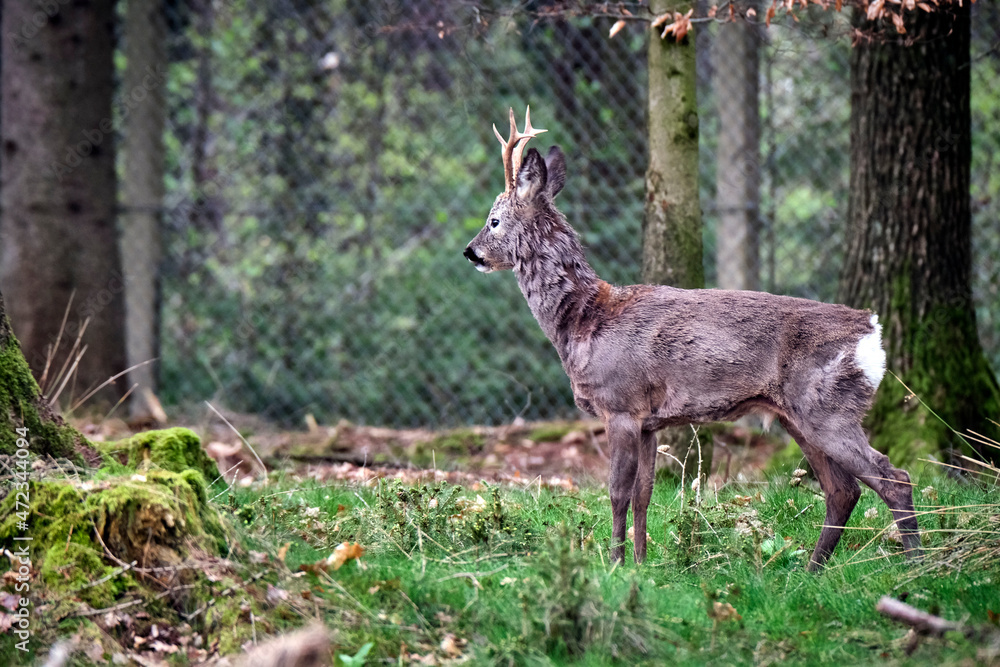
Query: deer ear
point(555, 165)
point(532, 176)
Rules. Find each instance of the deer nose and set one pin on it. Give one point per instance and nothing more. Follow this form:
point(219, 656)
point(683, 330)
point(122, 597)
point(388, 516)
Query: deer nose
point(471, 255)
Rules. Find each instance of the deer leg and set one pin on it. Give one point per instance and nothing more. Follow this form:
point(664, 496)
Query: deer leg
point(842, 493)
point(848, 447)
point(623, 437)
point(642, 491)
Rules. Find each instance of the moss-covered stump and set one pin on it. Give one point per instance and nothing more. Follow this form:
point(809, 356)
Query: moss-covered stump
point(116, 556)
point(83, 531)
point(172, 449)
point(21, 407)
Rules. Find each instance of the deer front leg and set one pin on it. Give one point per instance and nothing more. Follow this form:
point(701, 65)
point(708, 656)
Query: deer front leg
point(623, 437)
point(642, 491)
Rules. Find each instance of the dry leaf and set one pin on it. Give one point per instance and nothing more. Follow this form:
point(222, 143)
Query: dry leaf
point(617, 27)
point(631, 534)
point(451, 645)
point(661, 19)
point(283, 551)
point(897, 20)
point(770, 15)
point(712, 11)
point(343, 553)
point(723, 611)
point(751, 12)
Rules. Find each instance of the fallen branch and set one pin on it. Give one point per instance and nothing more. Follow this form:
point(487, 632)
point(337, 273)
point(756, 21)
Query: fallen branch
point(922, 622)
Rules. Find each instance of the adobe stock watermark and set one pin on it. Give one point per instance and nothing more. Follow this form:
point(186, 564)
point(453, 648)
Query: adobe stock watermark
point(31, 25)
point(95, 136)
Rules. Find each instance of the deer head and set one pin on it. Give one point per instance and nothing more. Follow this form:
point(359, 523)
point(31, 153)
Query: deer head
point(526, 202)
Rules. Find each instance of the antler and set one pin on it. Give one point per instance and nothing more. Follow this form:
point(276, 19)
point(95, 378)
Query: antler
point(513, 147)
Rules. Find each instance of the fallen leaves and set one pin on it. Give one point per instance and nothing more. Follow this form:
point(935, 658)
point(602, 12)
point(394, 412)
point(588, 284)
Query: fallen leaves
point(722, 612)
point(343, 553)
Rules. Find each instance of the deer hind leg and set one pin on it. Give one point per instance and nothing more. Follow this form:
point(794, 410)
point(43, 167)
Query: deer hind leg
point(842, 493)
point(623, 437)
point(642, 491)
point(848, 447)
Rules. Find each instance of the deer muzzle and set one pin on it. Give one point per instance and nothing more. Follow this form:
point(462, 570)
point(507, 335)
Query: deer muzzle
point(478, 261)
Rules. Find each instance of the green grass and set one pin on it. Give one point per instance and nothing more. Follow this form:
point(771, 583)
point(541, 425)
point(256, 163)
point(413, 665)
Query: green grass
point(522, 576)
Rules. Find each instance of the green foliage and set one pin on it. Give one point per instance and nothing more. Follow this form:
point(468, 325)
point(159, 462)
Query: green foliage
point(443, 515)
point(551, 597)
point(359, 658)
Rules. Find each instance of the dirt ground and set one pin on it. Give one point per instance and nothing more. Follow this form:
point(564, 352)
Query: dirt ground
point(561, 453)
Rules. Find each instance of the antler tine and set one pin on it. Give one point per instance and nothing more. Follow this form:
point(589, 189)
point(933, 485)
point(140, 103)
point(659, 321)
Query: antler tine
point(523, 138)
point(513, 147)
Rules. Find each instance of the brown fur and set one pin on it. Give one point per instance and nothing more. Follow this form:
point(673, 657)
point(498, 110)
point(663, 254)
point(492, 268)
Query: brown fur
point(646, 357)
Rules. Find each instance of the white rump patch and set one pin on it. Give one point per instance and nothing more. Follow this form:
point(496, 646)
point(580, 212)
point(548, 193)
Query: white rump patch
point(869, 355)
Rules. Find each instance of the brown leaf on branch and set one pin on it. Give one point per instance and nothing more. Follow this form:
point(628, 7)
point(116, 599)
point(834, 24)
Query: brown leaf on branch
point(769, 15)
point(680, 27)
point(712, 11)
point(661, 19)
point(616, 28)
point(897, 20)
point(751, 12)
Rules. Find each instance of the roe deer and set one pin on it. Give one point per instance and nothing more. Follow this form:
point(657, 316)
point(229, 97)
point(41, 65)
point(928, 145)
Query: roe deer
point(645, 357)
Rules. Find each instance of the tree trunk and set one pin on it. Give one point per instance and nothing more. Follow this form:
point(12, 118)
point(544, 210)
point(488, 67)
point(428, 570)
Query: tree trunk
point(24, 414)
point(58, 185)
point(671, 229)
point(737, 176)
point(142, 194)
point(909, 238)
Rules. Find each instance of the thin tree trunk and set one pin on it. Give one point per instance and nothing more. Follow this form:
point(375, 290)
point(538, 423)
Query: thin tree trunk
point(142, 190)
point(671, 230)
point(909, 236)
point(58, 185)
point(671, 240)
point(738, 157)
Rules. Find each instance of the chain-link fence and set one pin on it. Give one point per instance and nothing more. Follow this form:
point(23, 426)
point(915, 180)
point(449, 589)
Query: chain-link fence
point(328, 162)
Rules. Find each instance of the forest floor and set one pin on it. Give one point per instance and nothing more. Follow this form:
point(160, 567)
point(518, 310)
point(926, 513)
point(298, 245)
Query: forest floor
point(490, 546)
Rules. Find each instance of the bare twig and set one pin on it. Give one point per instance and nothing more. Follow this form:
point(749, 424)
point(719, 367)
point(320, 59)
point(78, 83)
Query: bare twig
point(55, 346)
point(107, 382)
point(252, 451)
point(921, 621)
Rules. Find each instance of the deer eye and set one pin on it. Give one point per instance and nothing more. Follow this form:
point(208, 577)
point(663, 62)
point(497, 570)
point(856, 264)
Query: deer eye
point(494, 223)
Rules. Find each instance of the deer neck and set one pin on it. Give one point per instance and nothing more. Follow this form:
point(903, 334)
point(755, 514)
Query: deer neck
point(557, 282)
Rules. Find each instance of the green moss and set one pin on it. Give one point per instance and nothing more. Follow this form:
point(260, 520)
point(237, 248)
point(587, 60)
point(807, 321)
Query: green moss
point(451, 446)
point(173, 449)
point(19, 407)
point(553, 432)
point(155, 520)
point(949, 373)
